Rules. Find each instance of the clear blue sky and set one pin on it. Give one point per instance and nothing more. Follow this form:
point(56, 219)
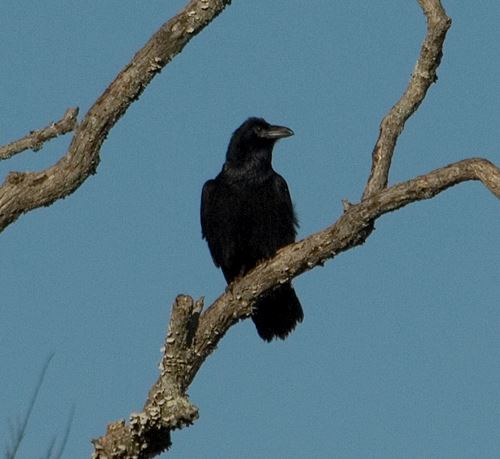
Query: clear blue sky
point(399, 352)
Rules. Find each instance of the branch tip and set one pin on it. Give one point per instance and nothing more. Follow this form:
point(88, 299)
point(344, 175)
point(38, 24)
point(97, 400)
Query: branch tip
point(423, 76)
point(35, 139)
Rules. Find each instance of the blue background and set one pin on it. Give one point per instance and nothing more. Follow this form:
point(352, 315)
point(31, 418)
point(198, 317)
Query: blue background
point(399, 352)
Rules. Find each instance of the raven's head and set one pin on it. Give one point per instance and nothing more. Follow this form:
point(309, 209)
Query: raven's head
point(255, 139)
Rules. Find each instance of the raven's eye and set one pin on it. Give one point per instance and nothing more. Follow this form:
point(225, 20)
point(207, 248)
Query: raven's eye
point(258, 130)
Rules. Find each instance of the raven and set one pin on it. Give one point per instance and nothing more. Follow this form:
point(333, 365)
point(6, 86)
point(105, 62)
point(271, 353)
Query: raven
point(247, 215)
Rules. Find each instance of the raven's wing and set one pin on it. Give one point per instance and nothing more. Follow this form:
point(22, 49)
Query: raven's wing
point(210, 216)
point(207, 196)
point(217, 226)
point(221, 226)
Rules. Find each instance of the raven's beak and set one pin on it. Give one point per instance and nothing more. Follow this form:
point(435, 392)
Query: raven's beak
point(277, 132)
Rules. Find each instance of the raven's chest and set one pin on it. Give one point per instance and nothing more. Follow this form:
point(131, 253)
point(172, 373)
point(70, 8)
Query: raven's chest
point(250, 199)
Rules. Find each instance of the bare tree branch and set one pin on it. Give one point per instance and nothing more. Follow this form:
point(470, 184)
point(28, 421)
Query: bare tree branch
point(35, 139)
point(423, 76)
point(192, 337)
point(24, 191)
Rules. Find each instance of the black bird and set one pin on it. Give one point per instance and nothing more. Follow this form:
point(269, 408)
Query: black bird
point(247, 215)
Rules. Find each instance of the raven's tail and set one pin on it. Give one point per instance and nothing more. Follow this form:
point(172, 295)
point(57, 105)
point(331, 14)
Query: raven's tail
point(277, 314)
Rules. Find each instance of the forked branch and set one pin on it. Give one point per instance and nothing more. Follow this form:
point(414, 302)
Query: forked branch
point(424, 74)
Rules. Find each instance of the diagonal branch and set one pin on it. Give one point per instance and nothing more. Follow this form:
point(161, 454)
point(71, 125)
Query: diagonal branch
point(423, 76)
point(193, 337)
point(35, 139)
point(347, 233)
point(24, 191)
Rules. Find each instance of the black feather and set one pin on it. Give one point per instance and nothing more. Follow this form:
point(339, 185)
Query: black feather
point(247, 215)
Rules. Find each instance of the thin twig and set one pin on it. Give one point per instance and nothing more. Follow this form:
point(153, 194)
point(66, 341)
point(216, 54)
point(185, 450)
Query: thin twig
point(21, 431)
point(67, 431)
point(50, 449)
point(35, 139)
